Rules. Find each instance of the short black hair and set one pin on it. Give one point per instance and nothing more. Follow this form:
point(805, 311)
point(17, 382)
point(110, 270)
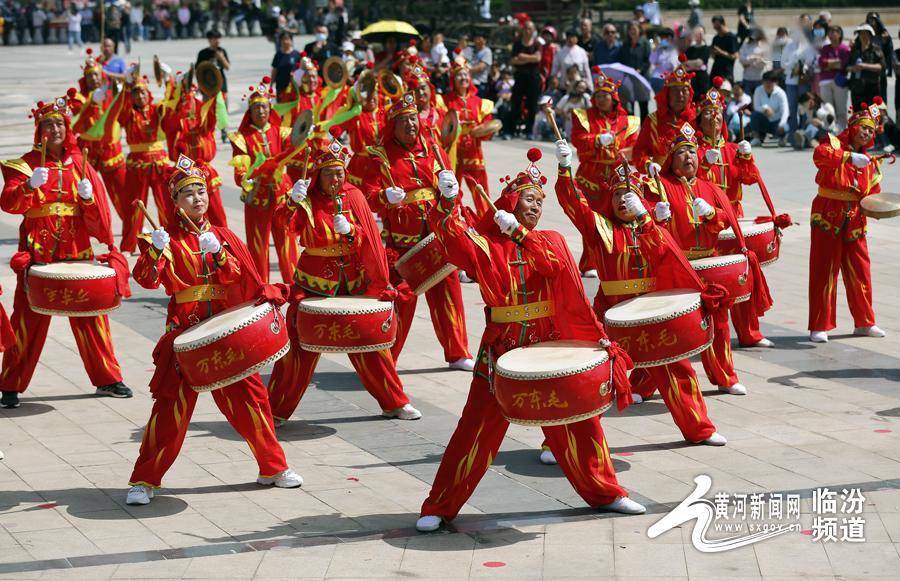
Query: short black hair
point(718, 18)
point(213, 33)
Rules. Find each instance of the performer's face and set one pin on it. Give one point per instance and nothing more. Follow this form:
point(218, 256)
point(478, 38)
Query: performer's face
point(139, 97)
point(862, 136)
point(684, 162)
point(678, 98)
point(711, 122)
point(331, 179)
point(54, 131)
point(462, 82)
point(618, 206)
point(603, 101)
point(259, 113)
point(194, 201)
point(423, 96)
point(406, 128)
point(92, 80)
point(530, 207)
point(370, 103)
point(309, 81)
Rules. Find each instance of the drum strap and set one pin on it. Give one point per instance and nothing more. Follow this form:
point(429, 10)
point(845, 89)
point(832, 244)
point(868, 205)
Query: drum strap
point(201, 292)
point(695, 254)
point(145, 147)
point(631, 286)
point(54, 209)
point(522, 313)
point(839, 195)
point(331, 250)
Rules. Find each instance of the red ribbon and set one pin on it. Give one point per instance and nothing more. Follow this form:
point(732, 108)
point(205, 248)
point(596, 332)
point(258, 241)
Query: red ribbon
point(781, 221)
point(715, 297)
point(20, 261)
point(621, 365)
point(276, 293)
point(116, 260)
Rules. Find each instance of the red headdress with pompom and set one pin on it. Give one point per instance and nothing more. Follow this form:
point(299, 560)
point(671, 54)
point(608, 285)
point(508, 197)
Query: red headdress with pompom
point(530, 178)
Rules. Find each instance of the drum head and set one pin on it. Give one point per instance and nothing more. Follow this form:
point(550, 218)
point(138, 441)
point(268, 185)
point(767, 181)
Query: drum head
point(884, 205)
point(654, 305)
point(749, 226)
point(209, 79)
point(390, 84)
point(714, 261)
point(334, 72)
point(224, 323)
point(449, 129)
point(492, 127)
point(71, 270)
point(550, 357)
point(302, 125)
point(344, 305)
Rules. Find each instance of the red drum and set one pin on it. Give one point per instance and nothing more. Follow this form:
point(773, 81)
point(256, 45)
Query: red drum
point(231, 345)
point(72, 289)
point(660, 327)
point(346, 324)
point(730, 271)
point(553, 383)
point(424, 265)
point(762, 238)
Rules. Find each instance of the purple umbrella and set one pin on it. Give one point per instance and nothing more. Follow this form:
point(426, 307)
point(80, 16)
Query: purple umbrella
point(634, 86)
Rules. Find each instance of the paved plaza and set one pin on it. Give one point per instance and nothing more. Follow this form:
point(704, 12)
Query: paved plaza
point(816, 416)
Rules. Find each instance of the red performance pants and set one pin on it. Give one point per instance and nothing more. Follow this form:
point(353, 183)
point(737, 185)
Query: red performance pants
point(678, 385)
point(261, 222)
point(141, 180)
point(828, 256)
point(472, 176)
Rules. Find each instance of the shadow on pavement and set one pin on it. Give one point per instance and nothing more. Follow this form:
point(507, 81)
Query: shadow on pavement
point(887, 374)
point(30, 407)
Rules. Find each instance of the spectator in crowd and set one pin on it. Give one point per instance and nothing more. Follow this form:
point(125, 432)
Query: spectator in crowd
point(38, 19)
point(218, 55)
point(754, 55)
point(438, 49)
point(736, 113)
point(88, 31)
point(635, 53)
point(820, 119)
point(113, 65)
point(126, 26)
point(724, 50)
point(638, 16)
point(525, 57)
point(183, 22)
point(664, 58)
point(697, 53)
point(321, 48)
point(896, 86)
point(480, 59)
point(695, 18)
point(781, 39)
point(607, 49)
point(577, 97)
point(770, 110)
point(653, 13)
point(882, 39)
point(833, 60)
point(284, 62)
point(586, 38)
point(745, 21)
point(571, 55)
point(361, 50)
point(867, 63)
point(503, 87)
point(114, 25)
point(798, 60)
point(73, 27)
point(136, 17)
point(548, 53)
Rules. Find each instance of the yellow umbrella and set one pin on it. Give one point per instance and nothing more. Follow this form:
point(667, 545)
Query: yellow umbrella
point(383, 29)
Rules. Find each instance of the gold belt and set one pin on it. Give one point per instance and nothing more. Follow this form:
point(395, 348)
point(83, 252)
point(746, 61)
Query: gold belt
point(331, 250)
point(628, 286)
point(839, 195)
point(521, 313)
point(420, 195)
point(201, 292)
point(695, 254)
point(54, 209)
point(145, 147)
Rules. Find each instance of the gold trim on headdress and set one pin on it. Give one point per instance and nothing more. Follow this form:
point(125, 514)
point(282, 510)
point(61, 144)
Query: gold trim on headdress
point(405, 104)
point(189, 175)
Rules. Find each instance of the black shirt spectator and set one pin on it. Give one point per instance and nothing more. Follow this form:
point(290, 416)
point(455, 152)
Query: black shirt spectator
point(725, 48)
point(700, 82)
point(284, 62)
point(745, 20)
point(217, 54)
point(321, 49)
point(525, 59)
point(867, 64)
point(586, 38)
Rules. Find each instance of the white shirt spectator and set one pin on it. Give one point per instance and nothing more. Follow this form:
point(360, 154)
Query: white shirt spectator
point(753, 56)
point(652, 13)
point(734, 104)
point(475, 57)
point(777, 102)
point(438, 52)
point(796, 51)
point(664, 60)
point(38, 17)
point(74, 22)
point(569, 56)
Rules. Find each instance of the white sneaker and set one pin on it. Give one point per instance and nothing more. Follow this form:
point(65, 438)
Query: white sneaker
point(429, 524)
point(139, 494)
point(818, 336)
point(716, 439)
point(464, 364)
point(624, 505)
point(590, 273)
point(464, 278)
point(548, 458)
point(636, 398)
point(407, 412)
point(763, 343)
point(873, 331)
point(736, 389)
point(284, 479)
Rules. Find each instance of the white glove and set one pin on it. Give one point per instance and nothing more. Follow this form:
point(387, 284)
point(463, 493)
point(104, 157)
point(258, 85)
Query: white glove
point(38, 177)
point(607, 139)
point(298, 75)
point(447, 184)
point(506, 221)
point(85, 189)
point(859, 159)
point(663, 211)
point(394, 195)
point(160, 238)
point(744, 147)
point(178, 78)
point(633, 204)
point(129, 73)
point(701, 207)
point(563, 153)
point(165, 69)
point(299, 191)
point(712, 155)
point(653, 169)
point(209, 243)
point(99, 95)
point(341, 224)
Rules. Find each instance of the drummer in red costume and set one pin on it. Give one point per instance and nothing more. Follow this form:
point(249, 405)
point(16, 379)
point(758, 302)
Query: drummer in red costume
point(104, 148)
point(306, 91)
point(342, 256)
point(600, 134)
point(402, 179)
point(62, 210)
point(635, 256)
point(471, 111)
point(517, 265)
point(846, 174)
point(730, 166)
point(693, 210)
point(190, 129)
point(674, 108)
point(365, 129)
point(204, 274)
point(265, 193)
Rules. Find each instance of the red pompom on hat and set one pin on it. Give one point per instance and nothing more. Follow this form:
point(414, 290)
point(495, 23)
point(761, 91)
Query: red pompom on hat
point(717, 82)
point(682, 58)
point(413, 42)
point(534, 154)
point(457, 50)
point(370, 65)
point(878, 100)
point(303, 54)
point(71, 92)
point(267, 79)
point(336, 132)
point(89, 51)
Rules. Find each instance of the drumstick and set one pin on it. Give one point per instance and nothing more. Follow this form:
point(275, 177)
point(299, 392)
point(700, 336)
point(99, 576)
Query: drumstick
point(389, 176)
point(43, 151)
point(83, 161)
point(306, 162)
point(190, 222)
point(485, 197)
point(140, 205)
point(438, 156)
point(659, 186)
point(551, 118)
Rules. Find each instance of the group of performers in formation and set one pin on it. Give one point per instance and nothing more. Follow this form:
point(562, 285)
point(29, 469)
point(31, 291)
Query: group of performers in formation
point(341, 219)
